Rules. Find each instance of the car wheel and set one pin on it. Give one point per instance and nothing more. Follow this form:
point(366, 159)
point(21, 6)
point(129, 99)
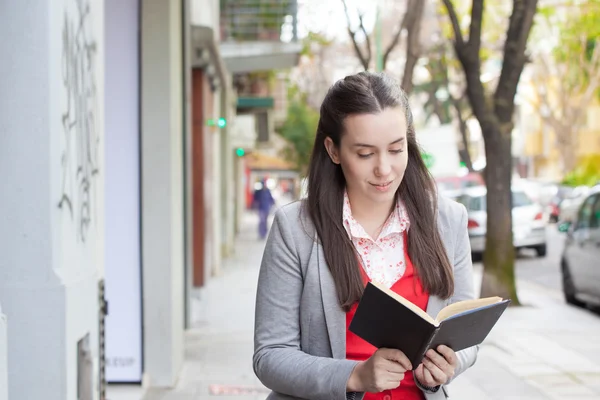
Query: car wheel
point(568, 286)
point(541, 250)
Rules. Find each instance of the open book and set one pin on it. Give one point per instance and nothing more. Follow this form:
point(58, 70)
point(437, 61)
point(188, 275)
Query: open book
point(385, 319)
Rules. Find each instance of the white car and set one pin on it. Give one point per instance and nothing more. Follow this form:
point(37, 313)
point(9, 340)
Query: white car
point(529, 221)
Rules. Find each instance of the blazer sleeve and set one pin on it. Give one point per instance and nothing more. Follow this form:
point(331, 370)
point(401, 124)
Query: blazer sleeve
point(278, 360)
point(464, 290)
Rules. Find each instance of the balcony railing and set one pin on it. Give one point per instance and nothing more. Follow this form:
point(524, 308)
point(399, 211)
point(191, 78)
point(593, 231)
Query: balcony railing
point(259, 20)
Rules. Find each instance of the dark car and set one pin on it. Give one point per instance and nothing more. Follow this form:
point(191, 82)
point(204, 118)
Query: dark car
point(580, 264)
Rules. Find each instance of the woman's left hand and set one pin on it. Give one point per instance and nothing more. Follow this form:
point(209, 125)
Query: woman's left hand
point(437, 367)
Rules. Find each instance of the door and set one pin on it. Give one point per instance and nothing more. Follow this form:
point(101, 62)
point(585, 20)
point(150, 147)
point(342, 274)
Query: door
point(592, 250)
point(579, 251)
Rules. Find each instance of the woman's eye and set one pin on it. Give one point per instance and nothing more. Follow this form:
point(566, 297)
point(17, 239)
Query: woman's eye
point(365, 155)
point(396, 151)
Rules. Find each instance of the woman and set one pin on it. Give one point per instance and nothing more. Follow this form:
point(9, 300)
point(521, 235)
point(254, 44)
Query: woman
point(372, 213)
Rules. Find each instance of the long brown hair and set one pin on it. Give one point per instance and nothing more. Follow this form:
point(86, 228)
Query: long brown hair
point(370, 93)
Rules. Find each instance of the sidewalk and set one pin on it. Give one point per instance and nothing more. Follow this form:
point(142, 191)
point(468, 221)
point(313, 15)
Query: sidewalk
point(543, 350)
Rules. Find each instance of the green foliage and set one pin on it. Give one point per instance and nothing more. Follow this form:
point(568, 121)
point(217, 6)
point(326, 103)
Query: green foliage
point(311, 40)
point(579, 25)
point(586, 173)
point(299, 130)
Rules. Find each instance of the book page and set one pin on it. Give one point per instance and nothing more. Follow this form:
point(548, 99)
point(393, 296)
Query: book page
point(465, 305)
point(407, 303)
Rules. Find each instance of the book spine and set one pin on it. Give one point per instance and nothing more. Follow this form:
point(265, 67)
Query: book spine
point(423, 350)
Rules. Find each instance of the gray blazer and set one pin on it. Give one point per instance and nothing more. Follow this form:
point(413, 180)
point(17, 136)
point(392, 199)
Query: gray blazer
point(300, 328)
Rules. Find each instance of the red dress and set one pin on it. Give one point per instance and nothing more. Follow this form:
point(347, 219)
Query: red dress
point(408, 286)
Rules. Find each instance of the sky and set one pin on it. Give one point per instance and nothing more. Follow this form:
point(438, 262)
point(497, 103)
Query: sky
point(328, 17)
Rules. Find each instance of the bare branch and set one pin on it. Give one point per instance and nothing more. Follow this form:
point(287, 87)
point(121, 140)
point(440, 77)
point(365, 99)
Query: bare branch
point(475, 26)
point(413, 46)
point(458, 38)
point(520, 23)
point(364, 60)
point(367, 37)
point(397, 34)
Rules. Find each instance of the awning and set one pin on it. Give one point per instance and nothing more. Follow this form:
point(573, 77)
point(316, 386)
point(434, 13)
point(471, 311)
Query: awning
point(263, 162)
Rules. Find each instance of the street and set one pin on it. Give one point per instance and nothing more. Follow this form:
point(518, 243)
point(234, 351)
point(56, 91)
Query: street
point(544, 271)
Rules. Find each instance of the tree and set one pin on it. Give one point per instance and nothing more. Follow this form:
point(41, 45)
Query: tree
point(494, 111)
point(567, 78)
point(410, 23)
point(442, 102)
point(299, 130)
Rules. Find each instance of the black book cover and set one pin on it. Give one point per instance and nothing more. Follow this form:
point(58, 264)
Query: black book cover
point(383, 321)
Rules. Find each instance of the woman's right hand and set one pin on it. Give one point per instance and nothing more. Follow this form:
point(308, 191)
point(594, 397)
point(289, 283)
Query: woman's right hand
point(384, 370)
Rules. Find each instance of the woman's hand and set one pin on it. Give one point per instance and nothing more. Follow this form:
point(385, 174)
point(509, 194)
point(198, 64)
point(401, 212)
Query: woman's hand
point(382, 371)
point(437, 367)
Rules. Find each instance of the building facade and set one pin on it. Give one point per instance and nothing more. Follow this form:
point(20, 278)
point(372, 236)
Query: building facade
point(117, 154)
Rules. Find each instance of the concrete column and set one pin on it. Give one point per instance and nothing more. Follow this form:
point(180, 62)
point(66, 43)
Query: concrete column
point(162, 191)
point(215, 190)
point(3, 358)
point(228, 176)
point(51, 147)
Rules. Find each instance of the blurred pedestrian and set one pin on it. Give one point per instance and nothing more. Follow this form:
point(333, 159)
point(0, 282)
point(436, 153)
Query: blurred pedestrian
point(372, 214)
point(263, 202)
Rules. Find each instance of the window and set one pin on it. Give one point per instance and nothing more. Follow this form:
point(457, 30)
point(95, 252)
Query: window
point(473, 203)
point(595, 217)
point(520, 199)
point(585, 213)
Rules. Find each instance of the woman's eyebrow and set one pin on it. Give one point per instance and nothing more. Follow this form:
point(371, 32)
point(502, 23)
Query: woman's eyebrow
point(370, 145)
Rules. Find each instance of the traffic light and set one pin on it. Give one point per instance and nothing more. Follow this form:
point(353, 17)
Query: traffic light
point(240, 152)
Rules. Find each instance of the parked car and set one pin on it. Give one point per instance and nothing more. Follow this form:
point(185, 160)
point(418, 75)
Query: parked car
point(570, 205)
point(452, 186)
point(529, 222)
point(580, 261)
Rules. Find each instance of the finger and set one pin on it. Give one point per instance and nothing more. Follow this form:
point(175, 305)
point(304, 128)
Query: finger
point(419, 373)
point(398, 356)
point(427, 378)
point(395, 378)
point(438, 360)
point(448, 354)
point(394, 367)
point(436, 373)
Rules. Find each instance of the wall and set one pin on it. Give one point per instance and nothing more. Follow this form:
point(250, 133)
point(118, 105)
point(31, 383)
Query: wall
point(51, 151)
point(206, 13)
point(3, 358)
point(162, 191)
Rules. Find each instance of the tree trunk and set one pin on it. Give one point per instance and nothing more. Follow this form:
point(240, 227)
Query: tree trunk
point(498, 258)
point(464, 153)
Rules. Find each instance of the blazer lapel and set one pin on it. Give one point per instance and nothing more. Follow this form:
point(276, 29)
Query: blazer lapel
point(335, 318)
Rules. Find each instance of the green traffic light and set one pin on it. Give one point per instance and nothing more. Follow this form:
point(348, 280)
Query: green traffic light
point(240, 152)
point(222, 123)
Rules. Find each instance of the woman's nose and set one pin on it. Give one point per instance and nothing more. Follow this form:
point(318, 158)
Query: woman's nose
point(383, 167)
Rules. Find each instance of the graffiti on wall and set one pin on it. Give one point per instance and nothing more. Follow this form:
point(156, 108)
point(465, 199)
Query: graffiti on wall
point(80, 159)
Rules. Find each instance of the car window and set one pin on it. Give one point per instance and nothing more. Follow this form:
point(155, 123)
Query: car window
point(520, 199)
point(473, 203)
point(595, 217)
point(584, 215)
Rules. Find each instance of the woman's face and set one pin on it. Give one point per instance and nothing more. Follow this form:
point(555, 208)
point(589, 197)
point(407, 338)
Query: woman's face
point(373, 154)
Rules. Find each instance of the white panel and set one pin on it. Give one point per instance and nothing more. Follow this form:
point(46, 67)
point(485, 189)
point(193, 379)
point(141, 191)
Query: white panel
point(122, 193)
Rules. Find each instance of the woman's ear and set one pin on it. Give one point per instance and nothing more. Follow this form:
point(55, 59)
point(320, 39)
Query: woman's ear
point(332, 150)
